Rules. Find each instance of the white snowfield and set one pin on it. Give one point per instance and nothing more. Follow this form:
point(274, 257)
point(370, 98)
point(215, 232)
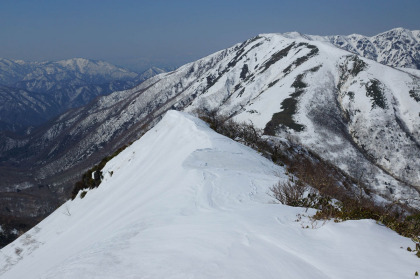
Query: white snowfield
point(186, 202)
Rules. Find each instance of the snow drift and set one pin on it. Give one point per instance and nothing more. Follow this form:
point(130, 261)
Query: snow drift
point(186, 202)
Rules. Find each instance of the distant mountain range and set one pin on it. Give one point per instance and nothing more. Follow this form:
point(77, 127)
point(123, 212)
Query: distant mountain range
point(359, 115)
point(34, 92)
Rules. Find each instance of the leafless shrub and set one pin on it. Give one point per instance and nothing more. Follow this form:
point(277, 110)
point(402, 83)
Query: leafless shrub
point(288, 193)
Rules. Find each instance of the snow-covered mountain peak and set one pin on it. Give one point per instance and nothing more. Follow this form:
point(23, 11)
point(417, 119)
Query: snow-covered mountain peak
point(185, 202)
point(397, 30)
point(12, 71)
point(76, 63)
point(397, 47)
point(294, 35)
point(94, 67)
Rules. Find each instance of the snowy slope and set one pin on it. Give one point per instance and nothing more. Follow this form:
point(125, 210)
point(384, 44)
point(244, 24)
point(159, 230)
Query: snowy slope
point(351, 111)
point(397, 47)
point(185, 202)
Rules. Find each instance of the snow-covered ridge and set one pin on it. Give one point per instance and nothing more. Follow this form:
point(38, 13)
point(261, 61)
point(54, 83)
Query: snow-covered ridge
point(12, 71)
point(397, 47)
point(185, 202)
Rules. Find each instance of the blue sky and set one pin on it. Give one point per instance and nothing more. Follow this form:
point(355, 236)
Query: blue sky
point(137, 34)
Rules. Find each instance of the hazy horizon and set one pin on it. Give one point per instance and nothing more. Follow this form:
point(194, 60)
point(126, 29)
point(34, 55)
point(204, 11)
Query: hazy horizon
point(140, 34)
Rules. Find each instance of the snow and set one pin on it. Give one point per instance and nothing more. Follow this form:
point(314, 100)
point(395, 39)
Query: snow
point(413, 72)
point(390, 47)
point(118, 117)
point(185, 202)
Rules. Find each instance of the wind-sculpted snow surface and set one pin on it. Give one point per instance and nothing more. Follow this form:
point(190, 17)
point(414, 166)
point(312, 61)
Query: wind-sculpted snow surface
point(185, 202)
